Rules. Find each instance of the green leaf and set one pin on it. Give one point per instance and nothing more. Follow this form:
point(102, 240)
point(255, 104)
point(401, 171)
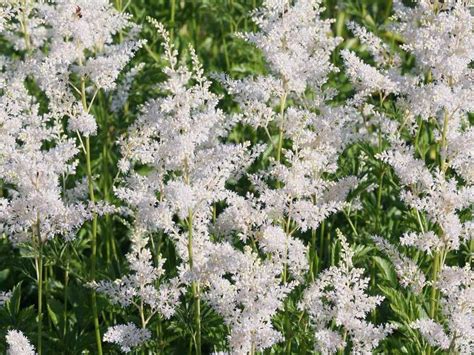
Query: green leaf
point(54, 315)
point(386, 269)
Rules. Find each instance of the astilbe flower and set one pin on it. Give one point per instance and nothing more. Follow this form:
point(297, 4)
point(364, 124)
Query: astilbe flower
point(58, 41)
point(292, 194)
point(379, 50)
point(5, 14)
point(436, 92)
point(295, 41)
point(4, 297)
point(34, 202)
point(179, 138)
point(122, 91)
point(82, 43)
point(65, 54)
point(457, 305)
point(338, 295)
point(127, 336)
point(408, 272)
point(438, 197)
point(287, 251)
point(247, 292)
point(432, 332)
point(67, 38)
point(440, 37)
point(21, 25)
point(367, 79)
point(297, 45)
point(18, 344)
point(145, 289)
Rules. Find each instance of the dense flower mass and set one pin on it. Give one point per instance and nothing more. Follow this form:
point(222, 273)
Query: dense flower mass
point(296, 178)
point(127, 336)
point(338, 296)
point(18, 344)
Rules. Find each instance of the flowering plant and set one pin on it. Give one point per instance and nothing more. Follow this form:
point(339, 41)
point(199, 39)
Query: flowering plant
point(294, 176)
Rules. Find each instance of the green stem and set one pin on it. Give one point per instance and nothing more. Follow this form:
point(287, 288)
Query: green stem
point(252, 349)
point(321, 245)
point(195, 289)
point(45, 297)
point(106, 186)
point(280, 135)
point(288, 347)
point(226, 52)
point(197, 316)
point(420, 223)
point(436, 267)
point(195, 284)
point(93, 259)
point(172, 18)
point(444, 142)
point(39, 275)
point(287, 235)
point(66, 282)
point(439, 257)
point(142, 314)
point(24, 28)
point(158, 334)
point(348, 218)
point(313, 257)
point(344, 337)
point(95, 313)
point(379, 203)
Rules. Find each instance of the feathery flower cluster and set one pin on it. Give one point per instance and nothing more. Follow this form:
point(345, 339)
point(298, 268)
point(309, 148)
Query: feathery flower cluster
point(127, 336)
point(457, 289)
point(179, 138)
point(248, 298)
point(409, 274)
point(4, 297)
point(444, 99)
point(440, 198)
point(140, 290)
point(59, 40)
point(433, 332)
point(34, 201)
point(338, 295)
point(65, 53)
point(231, 228)
point(18, 344)
point(303, 197)
point(435, 93)
point(367, 79)
point(139, 285)
point(295, 41)
point(293, 194)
